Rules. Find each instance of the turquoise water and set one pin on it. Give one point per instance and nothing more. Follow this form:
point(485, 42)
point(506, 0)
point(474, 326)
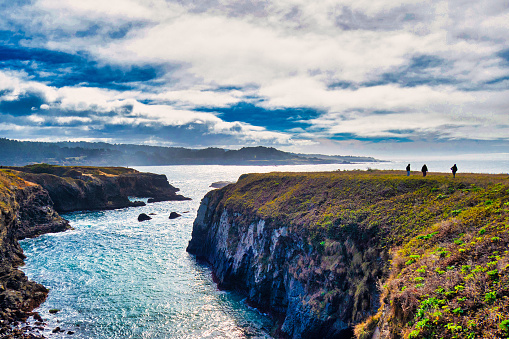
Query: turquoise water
point(114, 277)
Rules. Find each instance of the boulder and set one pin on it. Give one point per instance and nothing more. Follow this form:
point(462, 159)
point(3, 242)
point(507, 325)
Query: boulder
point(143, 217)
point(174, 215)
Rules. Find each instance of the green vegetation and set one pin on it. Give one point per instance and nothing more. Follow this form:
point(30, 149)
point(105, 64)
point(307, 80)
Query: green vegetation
point(74, 171)
point(438, 245)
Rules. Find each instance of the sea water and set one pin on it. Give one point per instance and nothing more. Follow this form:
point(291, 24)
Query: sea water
point(114, 277)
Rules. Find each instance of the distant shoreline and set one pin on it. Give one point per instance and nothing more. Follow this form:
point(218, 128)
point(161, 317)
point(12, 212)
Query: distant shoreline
point(21, 153)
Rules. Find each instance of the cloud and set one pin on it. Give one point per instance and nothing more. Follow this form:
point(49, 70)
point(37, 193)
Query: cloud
point(102, 112)
point(287, 71)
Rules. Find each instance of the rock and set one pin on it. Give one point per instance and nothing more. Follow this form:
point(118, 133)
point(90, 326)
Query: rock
point(70, 332)
point(143, 217)
point(54, 311)
point(152, 214)
point(220, 184)
point(37, 317)
point(56, 330)
point(174, 215)
point(36, 215)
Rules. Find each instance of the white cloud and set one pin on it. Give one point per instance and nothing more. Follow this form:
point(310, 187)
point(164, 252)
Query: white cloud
point(98, 105)
point(285, 53)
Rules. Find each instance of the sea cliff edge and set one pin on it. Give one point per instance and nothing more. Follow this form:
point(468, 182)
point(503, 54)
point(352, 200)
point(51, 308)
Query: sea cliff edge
point(365, 254)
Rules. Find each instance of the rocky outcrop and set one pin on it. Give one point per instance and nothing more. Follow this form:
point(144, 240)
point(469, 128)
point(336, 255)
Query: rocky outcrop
point(143, 217)
point(76, 189)
point(174, 215)
point(220, 184)
point(36, 215)
point(25, 211)
point(262, 262)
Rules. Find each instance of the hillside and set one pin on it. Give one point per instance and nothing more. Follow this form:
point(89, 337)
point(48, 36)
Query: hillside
point(386, 254)
point(20, 153)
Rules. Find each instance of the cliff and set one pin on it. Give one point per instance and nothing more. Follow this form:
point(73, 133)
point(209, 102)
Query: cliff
point(25, 211)
point(392, 256)
point(97, 188)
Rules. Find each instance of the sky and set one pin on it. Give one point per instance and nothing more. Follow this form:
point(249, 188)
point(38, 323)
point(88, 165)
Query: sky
point(382, 78)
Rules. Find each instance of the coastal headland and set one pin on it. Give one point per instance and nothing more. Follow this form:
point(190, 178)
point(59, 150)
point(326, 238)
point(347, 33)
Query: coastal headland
point(30, 199)
point(370, 254)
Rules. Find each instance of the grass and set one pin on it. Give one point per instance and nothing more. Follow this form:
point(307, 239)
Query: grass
point(437, 245)
point(74, 171)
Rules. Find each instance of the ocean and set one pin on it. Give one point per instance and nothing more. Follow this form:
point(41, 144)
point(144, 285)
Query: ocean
point(114, 277)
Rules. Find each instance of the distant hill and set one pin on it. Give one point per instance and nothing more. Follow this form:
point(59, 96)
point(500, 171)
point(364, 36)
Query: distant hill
point(20, 153)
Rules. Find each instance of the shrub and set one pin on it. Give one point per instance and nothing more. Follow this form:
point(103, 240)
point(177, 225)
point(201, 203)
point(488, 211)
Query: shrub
point(504, 326)
point(490, 297)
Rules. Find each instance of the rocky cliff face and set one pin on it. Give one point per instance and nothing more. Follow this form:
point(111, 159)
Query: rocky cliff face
point(90, 188)
point(25, 211)
point(264, 263)
point(302, 283)
point(35, 214)
point(326, 252)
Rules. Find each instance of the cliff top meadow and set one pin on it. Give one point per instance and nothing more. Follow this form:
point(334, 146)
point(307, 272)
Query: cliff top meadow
point(435, 247)
point(72, 171)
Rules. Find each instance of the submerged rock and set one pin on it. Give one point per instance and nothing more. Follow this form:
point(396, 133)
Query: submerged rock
point(143, 217)
point(174, 215)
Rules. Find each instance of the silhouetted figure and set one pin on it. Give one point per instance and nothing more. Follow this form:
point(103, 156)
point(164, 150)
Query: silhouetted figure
point(424, 170)
point(454, 169)
point(408, 170)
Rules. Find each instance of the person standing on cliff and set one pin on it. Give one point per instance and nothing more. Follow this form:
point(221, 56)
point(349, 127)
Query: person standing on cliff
point(424, 170)
point(454, 169)
point(408, 170)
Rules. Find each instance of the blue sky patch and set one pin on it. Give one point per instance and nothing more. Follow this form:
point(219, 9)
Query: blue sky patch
point(416, 73)
point(272, 119)
point(504, 54)
point(351, 136)
point(62, 69)
point(22, 105)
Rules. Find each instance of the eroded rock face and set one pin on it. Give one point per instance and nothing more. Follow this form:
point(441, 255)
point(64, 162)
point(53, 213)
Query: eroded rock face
point(25, 211)
point(260, 261)
point(36, 215)
point(103, 192)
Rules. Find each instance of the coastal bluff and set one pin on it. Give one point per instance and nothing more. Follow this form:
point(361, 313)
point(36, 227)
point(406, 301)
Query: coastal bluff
point(364, 254)
point(26, 210)
point(76, 188)
point(30, 199)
